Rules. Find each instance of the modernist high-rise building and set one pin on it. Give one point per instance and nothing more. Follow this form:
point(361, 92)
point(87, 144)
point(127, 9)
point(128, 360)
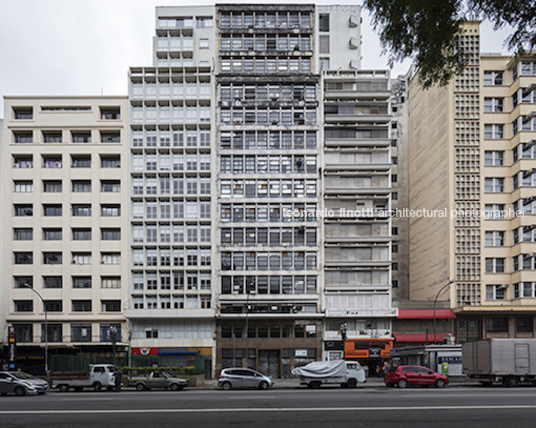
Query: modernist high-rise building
point(172, 194)
point(472, 150)
point(65, 195)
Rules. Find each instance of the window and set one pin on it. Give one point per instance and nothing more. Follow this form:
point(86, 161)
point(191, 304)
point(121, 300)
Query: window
point(23, 210)
point(24, 161)
point(52, 282)
point(495, 265)
point(112, 161)
point(493, 78)
point(110, 137)
point(81, 185)
point(494, 238)
point(111, 210)
point(81, 305)
point(497, 324)
point(81, 137)
point(324, 44)
point(82, 234)
point(110, 113)
point(494, 185)
point(24, 333)
point(52, 235)
point(81, 161)
point(23, 305)
point(52, 258)
point(495, 292)
point(493, 132)
point(53, 306)
point(54, 186)
point(493, 105)
point(323, 22)
point(81, 281)
point(23, 113)
point(111, 234)
point(80, 332)
point(23, 234)
point(81, 258)
point(23, 281)
point(105, 334)
point(111, 258)
point(23, 258)
point(81, 210)
point(111, 305)
point(110, 185)
point(494, 158)
point(523, 324)
point(23, 137)
point(52, 137)
point(52, 162)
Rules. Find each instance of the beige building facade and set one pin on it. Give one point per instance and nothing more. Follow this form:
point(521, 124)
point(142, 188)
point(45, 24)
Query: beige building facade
point(471, 166)
point(65, 185)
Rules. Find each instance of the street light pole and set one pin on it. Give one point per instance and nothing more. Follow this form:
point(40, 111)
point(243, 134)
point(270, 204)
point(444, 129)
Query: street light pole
point(248, 292)
point(26, 285)
point(435, 301)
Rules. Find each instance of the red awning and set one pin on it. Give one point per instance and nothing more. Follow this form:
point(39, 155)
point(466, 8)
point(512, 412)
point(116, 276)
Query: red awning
point(415, 314)
point(419, 337)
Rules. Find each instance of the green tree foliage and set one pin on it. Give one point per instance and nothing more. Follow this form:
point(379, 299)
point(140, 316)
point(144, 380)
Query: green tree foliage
point(426, 31)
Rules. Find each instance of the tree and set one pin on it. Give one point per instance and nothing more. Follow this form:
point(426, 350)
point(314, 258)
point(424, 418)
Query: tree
point(426, 31)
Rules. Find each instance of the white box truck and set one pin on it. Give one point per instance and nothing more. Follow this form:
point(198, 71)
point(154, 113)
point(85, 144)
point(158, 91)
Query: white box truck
point(506, 361)
point(99, 376)
point(346, 373)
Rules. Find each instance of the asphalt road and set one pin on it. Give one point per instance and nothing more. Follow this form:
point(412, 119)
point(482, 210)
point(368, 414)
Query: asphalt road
point(376, 407)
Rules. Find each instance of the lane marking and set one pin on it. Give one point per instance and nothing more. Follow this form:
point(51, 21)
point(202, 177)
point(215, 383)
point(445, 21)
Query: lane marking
point(242, 410)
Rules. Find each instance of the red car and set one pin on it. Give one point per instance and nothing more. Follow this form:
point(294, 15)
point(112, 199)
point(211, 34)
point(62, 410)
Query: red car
point(403, 376)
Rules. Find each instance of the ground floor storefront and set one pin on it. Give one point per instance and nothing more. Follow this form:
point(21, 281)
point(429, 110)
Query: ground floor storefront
point(271, 346)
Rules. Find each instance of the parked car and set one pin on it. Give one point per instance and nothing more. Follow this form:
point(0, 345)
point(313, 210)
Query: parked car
point(157, 379)
point(243, 378)
point(402, 376)
point(21, 383)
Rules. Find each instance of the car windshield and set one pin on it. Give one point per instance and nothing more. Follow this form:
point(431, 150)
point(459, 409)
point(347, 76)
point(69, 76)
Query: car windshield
point(22, 375)
point(166, 375)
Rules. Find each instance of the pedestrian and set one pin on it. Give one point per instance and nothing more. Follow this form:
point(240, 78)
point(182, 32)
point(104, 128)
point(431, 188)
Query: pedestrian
point(118, 375)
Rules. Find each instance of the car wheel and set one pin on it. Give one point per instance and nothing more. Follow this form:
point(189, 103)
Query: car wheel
point(352, 383)
point(64, 388)
point(226, 386)
point(140, 387)
point(97, 386)
point(19, 390)
point(402, 383)
point(440, 383)
point(263, 385)
point(512, 381)
point(175, 387)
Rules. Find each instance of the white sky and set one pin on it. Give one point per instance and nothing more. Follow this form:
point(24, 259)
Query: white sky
point(83, 47)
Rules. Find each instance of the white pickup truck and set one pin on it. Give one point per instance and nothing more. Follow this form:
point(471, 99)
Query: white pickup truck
point(346, 373)
point(99, 376)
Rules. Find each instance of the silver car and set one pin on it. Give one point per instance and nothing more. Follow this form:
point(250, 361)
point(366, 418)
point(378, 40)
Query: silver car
point(21, 383)
point(243, 378)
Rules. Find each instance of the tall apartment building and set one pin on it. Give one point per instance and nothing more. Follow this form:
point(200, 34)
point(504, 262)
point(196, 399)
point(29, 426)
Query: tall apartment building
point(269, 187)
point(477, 135)
point(172, 194)
point(357, 225)
point(64, 192)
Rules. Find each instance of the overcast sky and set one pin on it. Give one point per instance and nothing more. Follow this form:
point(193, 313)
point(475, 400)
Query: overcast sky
point(83, 47)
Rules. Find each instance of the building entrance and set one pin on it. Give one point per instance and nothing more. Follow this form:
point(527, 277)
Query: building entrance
point(269, 362)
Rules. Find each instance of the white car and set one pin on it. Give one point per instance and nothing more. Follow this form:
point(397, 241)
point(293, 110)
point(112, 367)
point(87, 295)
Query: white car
point(235, 378)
